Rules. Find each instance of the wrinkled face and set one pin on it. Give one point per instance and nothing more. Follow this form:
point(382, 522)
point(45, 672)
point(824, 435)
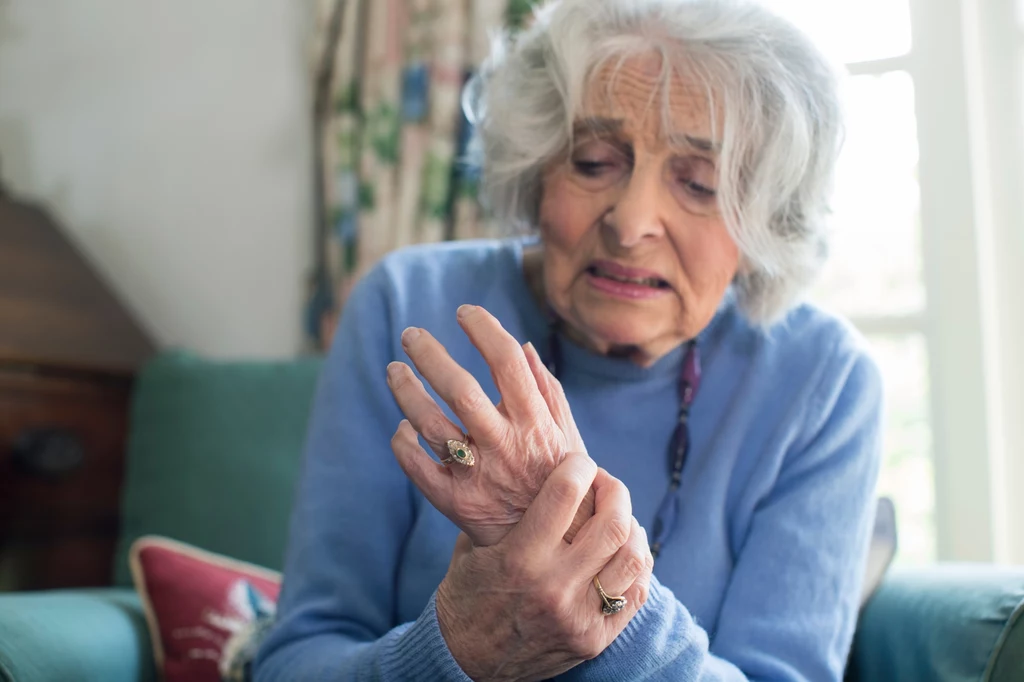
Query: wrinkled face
point(636, 254)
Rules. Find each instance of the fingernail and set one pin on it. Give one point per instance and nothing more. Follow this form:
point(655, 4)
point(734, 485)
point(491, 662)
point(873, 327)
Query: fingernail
point(393, 369)
point(530, 350)
point(464, 309)
point(410, 335)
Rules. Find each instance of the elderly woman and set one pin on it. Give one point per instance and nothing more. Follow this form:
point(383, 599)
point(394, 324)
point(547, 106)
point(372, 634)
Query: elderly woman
point(702, 512)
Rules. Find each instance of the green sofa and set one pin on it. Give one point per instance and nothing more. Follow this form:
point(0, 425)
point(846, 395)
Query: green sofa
point(213, 460)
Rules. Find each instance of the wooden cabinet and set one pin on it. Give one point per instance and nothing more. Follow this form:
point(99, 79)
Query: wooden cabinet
point(68, 354)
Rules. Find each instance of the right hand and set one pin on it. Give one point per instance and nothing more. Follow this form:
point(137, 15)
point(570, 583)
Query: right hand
point(517, 442)
point(526, 608)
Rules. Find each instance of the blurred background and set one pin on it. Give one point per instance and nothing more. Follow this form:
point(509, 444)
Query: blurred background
point(230, 167)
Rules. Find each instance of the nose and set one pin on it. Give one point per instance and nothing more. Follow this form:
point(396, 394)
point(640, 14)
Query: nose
point(635, 217)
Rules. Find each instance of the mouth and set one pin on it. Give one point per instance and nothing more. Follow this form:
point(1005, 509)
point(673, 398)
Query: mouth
point(621, 274)
point(620, 281)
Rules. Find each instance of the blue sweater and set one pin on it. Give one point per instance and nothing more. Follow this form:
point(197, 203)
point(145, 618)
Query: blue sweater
point(760, 578)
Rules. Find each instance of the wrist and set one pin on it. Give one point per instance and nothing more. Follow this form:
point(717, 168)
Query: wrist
point(448, 622)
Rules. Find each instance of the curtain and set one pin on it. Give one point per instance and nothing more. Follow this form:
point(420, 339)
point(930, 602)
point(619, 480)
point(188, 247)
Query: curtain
point(391, 134)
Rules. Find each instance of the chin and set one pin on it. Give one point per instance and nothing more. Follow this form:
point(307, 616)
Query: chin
point(619, 329)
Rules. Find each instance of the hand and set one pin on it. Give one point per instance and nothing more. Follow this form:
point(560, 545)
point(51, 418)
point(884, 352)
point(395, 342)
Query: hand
point(526, 608)
point(517, 443)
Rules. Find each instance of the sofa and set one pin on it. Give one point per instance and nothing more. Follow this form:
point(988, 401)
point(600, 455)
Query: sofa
point(214, 455)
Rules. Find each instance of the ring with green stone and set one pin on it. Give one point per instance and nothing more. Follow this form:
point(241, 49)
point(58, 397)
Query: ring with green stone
point(459, 452)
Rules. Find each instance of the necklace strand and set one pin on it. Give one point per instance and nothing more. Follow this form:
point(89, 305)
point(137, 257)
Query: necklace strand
point(689, 383)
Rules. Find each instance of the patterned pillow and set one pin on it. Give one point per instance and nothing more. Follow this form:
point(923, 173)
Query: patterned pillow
point(207, 614)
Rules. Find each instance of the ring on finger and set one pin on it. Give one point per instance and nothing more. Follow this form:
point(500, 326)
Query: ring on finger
point(609, 604)
point(459, 452)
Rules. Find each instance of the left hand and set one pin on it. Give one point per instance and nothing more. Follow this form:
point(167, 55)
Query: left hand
point(516, 443)
point(527, 608)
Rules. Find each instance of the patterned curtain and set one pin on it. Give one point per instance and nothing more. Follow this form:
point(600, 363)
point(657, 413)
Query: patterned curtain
point(391, 133)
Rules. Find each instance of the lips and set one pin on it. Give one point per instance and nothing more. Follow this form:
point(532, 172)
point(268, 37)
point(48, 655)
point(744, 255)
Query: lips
point(626, 275)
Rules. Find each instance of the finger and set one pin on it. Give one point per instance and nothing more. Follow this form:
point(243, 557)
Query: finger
point(609, 528)
point(509, 368)
point(628, 564)
point(583, 514)
point(550, 514)
point(554, 396)
point(432, 478)
point(421, 410)
point(455, 385)
point(637, 593)
point(540, 375)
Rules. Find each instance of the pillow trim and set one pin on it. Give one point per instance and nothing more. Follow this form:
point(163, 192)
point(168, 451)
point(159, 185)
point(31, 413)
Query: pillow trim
point(1004, 637)
point(142, 588)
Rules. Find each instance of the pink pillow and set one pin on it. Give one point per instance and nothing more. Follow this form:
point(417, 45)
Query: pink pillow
point(206, 613)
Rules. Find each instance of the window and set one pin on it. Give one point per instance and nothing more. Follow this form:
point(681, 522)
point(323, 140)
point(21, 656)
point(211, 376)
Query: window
point(928, 251)
point(875, 276)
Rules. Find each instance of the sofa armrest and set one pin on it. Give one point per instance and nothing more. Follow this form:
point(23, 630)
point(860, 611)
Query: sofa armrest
point(943, 623)
point(82, 635)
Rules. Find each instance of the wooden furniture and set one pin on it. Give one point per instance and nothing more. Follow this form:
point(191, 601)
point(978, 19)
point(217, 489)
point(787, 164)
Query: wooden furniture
point(68, 353)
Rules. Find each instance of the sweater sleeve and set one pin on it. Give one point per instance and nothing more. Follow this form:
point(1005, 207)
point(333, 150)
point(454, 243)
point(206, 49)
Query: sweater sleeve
point(335, 613)
point(791, 606)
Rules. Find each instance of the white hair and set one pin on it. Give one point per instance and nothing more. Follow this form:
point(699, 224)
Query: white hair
point(780, 114)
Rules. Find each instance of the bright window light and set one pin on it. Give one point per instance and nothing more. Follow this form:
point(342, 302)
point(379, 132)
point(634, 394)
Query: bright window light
point(852, 30)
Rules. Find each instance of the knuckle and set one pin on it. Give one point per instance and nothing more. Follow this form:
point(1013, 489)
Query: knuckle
point(551, 602)
point(515, 568)
point(468, 401)
point(515, 374)
point(634, 561)
point(617, 529)
point(508, 366)
point(564, 489)
point(436, 428)
point(643, 591)
point(622, 493)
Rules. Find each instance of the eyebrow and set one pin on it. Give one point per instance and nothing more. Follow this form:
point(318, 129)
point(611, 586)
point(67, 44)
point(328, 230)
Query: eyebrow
point(600, 125)
point(597, 125)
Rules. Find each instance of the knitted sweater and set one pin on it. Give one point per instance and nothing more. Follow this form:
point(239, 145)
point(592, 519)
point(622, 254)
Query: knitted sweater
point(760, 577)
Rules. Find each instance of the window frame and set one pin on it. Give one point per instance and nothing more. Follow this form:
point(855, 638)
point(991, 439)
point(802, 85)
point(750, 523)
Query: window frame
point(964, 54)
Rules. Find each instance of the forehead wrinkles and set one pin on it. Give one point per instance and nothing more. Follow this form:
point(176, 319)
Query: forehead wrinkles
point(633, 90)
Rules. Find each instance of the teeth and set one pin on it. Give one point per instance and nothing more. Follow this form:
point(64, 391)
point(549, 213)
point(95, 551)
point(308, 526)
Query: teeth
point(645, 281)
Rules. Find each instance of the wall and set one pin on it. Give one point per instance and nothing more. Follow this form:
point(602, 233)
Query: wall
point(172, 141)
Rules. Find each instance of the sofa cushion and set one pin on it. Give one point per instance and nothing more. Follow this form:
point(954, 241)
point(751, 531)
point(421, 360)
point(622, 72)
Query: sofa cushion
point(81, 635)
point(947, 623)
point(213, 455)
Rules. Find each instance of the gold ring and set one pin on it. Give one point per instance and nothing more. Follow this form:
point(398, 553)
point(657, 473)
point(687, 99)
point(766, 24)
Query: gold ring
point(458, 451)
point(610, 604)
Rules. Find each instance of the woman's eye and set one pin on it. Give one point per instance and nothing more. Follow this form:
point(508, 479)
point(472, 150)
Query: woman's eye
point(697, 176)
point(591, 169)
point(700, 189)
point(598, 163)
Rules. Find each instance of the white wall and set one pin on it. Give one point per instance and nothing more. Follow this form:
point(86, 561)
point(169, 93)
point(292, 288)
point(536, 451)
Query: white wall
point(172, 141)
